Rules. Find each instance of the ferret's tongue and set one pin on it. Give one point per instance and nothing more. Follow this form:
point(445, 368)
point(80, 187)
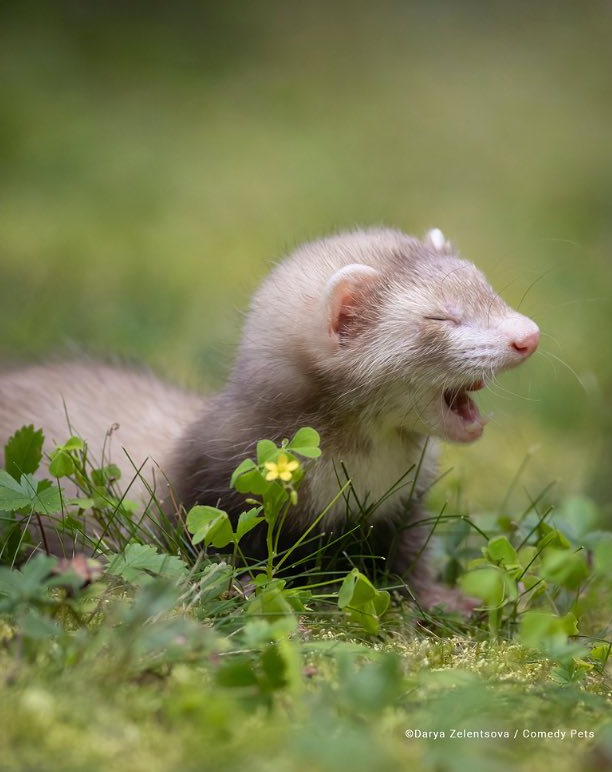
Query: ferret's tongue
point(463, 406)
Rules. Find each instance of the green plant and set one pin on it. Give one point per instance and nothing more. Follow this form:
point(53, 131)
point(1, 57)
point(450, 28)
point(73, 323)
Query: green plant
point(216, 642)
point(274, 478)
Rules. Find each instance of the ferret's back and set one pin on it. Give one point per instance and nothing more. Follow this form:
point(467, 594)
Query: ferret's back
point(148, 414)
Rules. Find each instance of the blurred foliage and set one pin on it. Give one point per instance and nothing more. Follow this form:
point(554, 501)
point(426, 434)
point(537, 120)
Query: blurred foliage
point(156, 157)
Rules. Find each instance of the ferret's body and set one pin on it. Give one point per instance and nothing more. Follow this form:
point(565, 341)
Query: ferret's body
point(373, 337)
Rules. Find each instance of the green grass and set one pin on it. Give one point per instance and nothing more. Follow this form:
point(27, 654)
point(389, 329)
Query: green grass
point(148, 658)
point(133, 697)
point(180, 721)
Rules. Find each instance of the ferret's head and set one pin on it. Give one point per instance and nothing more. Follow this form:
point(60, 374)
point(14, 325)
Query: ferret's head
point(413, 329)
point(382, 325)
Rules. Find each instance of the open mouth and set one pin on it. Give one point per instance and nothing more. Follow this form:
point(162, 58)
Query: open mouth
point(462, 421)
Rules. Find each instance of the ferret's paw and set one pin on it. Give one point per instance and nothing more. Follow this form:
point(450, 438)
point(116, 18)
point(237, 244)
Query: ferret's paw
point(450, 598)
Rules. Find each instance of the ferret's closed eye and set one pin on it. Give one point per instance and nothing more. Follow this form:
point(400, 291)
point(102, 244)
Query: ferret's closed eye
point(440, 318)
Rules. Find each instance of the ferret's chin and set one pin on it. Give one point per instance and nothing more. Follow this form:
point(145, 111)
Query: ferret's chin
point(462, 435)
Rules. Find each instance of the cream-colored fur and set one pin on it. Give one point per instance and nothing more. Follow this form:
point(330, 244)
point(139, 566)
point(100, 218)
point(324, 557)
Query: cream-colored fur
point(385, 474)
point(109, 407)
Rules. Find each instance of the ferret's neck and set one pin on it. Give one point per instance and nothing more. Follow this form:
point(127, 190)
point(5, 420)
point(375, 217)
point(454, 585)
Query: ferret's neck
point(356, 439)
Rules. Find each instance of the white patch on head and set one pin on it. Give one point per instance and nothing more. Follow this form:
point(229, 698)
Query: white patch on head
point(436, 238)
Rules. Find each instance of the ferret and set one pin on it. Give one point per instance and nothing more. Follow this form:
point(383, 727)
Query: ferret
point(373, 337)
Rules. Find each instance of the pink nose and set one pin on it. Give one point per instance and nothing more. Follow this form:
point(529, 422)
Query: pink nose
point(525, 345)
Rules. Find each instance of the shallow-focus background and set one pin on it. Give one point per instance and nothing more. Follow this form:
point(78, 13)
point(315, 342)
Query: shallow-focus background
point(156, 158)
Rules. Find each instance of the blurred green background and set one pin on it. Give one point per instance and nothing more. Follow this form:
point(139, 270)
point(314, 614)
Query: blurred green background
point(156, 157)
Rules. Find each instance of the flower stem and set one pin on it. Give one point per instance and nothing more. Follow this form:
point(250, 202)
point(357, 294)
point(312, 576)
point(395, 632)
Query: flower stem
point(270, 546)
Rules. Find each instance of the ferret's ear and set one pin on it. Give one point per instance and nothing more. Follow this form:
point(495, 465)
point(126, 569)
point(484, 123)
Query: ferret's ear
point(346, 293)
point(435, 239)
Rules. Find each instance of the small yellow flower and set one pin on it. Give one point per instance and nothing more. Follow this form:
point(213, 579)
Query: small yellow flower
point(281, 469)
